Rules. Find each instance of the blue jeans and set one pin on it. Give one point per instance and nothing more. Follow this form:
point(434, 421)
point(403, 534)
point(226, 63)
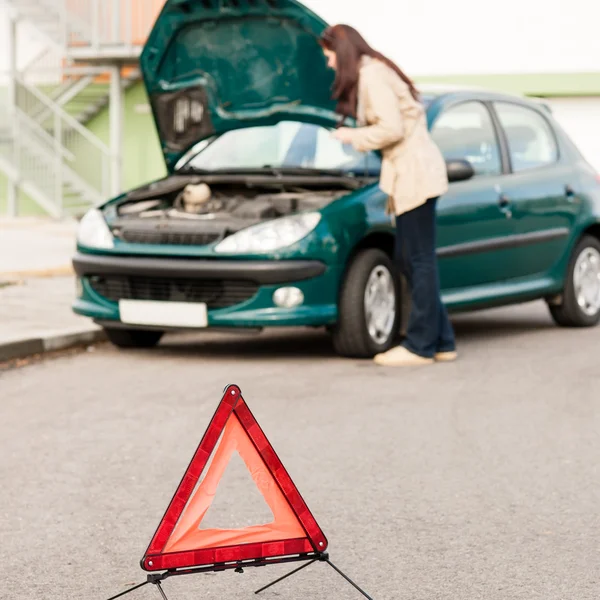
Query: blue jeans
point(429, 328)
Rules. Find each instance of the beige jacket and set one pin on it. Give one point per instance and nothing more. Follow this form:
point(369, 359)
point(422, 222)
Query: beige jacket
point(413, 168)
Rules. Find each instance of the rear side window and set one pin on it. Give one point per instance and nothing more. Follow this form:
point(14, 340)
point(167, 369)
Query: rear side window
point(531, 141)
point(466, 132)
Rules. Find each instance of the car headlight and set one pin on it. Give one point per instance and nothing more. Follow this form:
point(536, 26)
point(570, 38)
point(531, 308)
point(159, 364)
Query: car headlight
point(270, 236)
point(93, 231)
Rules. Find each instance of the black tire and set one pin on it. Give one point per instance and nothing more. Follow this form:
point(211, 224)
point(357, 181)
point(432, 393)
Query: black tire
point(569, 313)
point(351, 336)
point(133, 338)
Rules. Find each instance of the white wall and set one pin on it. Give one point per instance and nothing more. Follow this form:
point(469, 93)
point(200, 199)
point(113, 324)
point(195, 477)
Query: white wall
point(580, 118)
point(476, 36)
point(30, 43)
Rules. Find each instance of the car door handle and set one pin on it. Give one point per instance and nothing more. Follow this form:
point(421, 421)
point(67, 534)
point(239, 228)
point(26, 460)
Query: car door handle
point(503, 201)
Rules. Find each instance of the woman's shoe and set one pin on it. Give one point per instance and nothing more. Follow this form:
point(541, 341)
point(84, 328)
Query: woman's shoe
point(446, 356)
point(401, 357)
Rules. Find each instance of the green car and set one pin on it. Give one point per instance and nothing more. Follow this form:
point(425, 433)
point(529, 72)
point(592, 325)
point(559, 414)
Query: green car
point(265, 220)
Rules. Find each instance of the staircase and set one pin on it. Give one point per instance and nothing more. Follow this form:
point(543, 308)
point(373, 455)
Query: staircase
point(56, 161)
point(46, 150)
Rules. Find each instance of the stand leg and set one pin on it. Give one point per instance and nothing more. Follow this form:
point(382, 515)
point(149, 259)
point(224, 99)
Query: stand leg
point(348, 579)
point(286, 576)
point(162, 592)
point(129, 590)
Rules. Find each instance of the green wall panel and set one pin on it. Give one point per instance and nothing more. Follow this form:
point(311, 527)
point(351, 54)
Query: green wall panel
point(142, 155)
point(529, 84)
point(26, 206)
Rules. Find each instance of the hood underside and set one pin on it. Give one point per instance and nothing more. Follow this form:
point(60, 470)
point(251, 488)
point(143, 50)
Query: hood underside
point(210, 66)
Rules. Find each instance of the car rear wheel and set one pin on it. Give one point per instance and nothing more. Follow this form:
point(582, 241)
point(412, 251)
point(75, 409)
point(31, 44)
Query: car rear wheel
point(133, 338)
point(369, 307)
point(580, 305)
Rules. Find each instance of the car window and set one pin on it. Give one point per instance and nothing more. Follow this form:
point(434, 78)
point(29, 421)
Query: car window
point(286, 144)
point(531, 142)
point(466, 132)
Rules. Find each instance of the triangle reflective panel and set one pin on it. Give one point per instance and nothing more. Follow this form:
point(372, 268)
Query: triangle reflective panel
point(181, 540)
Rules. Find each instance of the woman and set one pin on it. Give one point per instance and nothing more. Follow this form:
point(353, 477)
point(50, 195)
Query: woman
point(372, 89)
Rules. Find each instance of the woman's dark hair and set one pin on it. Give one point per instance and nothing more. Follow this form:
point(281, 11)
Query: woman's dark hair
point(349, 47)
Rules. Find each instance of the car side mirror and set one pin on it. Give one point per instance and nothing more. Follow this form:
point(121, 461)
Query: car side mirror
point(459, 170)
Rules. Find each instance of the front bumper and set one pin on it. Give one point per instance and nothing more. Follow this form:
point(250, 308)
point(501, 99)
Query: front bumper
point(263, 272)
point(317, 281)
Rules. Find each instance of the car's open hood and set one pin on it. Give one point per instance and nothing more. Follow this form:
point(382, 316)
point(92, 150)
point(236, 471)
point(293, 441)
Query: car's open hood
point(214, 65)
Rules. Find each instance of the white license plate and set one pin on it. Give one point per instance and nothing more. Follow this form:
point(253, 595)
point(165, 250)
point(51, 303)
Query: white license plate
point(163, 314)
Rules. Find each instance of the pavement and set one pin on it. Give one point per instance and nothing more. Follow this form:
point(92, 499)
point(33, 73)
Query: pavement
point(31, 247)
point(476, 480)
point(37, 287)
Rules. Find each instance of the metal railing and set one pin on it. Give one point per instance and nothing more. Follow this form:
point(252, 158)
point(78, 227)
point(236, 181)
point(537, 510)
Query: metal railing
point(46, 67)
point(56, 155)
point(39, 159)
point(98, 24)
point(35, 157)
point(40, 142)
point(6, 128)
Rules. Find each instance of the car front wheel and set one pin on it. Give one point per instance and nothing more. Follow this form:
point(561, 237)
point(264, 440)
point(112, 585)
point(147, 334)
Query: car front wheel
point(369, 307)
point(133, 338)
point(580, 304)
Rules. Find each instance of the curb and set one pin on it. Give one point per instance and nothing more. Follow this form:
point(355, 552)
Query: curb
point(17, 349)
point(66, 270)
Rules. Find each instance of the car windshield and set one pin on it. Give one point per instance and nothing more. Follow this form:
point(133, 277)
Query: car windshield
point(285, 145)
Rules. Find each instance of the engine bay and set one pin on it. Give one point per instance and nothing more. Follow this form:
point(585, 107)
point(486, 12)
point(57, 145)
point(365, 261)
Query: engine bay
point(192, 211)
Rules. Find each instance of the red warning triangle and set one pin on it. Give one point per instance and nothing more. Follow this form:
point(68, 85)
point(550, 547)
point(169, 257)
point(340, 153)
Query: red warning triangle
point(180, 542)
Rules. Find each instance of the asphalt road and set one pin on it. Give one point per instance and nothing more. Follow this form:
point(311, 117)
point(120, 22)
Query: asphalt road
point(476, 480)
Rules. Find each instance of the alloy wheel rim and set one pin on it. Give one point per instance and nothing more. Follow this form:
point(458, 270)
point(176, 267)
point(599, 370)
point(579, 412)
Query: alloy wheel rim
point(380, 304)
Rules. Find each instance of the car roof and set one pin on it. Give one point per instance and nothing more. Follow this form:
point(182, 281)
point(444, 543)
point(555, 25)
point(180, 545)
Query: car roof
point(434, 91)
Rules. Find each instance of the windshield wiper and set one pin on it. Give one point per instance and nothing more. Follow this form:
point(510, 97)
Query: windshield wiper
point(271, 170)
point(307, 171)
point(193, 170)
point(355, 177)
point(351, 178)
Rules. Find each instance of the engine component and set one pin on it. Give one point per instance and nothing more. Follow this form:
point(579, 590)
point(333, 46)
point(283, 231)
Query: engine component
point(169, 185)
point(168, 231)
point(135, 208)
point(195, 197)
point(227, 208)
point(257, 209)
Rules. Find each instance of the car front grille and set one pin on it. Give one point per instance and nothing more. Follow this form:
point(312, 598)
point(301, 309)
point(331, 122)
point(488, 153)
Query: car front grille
point(215, 293)
point(179, 238)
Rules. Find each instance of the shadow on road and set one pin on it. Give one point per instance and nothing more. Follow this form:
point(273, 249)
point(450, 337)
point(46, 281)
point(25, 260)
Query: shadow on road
point(276, 344)
point(502, 323)
point(491, 325)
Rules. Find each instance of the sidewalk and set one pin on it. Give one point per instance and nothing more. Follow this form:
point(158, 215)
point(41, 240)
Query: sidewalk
point(35, 247)
point(37, 288)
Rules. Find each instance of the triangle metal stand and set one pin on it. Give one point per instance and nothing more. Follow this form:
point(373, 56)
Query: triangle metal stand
point(323, 557)
point(157, 578)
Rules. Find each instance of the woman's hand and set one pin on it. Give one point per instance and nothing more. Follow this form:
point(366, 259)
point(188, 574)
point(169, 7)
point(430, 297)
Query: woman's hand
point(344, 135)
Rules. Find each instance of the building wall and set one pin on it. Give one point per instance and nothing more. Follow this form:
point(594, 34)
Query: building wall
point(142, 155)
point(580, 118)
point(26, 206)
point(438, 37)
